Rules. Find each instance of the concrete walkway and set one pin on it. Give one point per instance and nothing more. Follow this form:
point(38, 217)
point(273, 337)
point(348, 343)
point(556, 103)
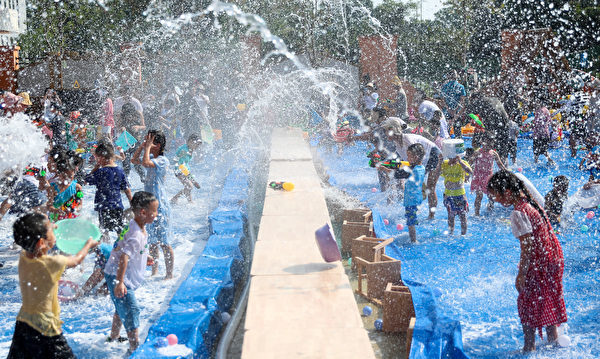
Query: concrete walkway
point(299, 306)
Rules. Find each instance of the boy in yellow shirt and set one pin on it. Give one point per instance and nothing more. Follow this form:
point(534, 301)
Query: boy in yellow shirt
point(454, 171)
point(38, 332)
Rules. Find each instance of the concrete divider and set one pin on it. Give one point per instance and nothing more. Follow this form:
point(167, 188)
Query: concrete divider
point(298, 306)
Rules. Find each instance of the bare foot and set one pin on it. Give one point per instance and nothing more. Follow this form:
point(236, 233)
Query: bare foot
point(168, 277)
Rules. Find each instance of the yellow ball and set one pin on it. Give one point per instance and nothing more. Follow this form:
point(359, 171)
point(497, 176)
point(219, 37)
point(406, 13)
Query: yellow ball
point(288, 186)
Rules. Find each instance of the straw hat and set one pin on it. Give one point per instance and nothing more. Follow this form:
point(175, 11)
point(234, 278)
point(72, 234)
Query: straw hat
point(26, 99)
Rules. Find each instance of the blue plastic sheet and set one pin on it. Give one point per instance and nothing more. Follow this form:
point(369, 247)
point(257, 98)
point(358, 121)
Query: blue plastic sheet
point(194, 311)
point(470, 279)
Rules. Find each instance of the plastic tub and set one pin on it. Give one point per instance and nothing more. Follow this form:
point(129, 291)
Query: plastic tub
point(71, 234)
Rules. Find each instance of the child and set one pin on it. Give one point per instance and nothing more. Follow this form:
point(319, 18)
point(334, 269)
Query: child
point(23, 195)
point(554, 200)
point(413, 195)
point(184, 155)
point(124, 270)
point(591, 161)
point(483, 167)
point(109, 180)
point(539, 281)
point(65, 192)
point(102, 253)
point(541, 134)
point(157, 166)
point(38, 332)
point(454, 171)
point(513, 135)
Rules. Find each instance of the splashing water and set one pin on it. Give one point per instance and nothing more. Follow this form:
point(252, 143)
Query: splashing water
point(21, 143)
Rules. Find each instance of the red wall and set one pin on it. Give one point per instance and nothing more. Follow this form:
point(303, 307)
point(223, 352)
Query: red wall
point(8, 66)
point(378, 60)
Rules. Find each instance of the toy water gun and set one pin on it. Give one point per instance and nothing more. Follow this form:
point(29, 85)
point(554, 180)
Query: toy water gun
point(374, 158)
point(476, 120)
point(34, 171)
point(39, 123)
point(393, 164)
point(287, 186)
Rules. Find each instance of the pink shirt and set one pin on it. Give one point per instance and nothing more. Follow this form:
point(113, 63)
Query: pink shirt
point(541, 123)
point(109, 118)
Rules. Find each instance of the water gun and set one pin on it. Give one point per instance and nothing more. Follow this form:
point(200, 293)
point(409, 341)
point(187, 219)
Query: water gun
point(34, 171)
point(375, 159)
point(393, 164)
point(287, 186)
point(477, 121)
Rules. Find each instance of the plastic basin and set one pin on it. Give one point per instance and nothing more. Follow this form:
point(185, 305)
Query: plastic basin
point(71, 234)
point(327, 244)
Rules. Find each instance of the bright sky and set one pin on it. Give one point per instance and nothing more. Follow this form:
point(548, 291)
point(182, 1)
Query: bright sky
point(429, 7)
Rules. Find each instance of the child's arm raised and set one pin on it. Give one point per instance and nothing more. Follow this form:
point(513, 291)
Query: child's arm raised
point(148, 144)
point(135, 158)
point(120, 289)
point(75, 260)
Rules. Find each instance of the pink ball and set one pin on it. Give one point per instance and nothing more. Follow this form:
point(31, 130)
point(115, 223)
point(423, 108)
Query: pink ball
point(172, 339)
point(399, 226)
point(386, 221)
point(520, 169)
point(373, 189)
point(590, 215)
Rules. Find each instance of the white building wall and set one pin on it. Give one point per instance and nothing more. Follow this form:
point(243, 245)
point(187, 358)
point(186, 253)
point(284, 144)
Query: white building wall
point(21, 7)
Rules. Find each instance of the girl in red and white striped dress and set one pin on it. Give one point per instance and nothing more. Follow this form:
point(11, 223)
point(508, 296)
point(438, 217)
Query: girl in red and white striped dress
point(539, 282)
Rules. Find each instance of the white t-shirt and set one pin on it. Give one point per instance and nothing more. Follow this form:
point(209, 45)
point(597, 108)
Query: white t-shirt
point(426, 109)
point(520, 224)
point(409, 139)
point(135, 245)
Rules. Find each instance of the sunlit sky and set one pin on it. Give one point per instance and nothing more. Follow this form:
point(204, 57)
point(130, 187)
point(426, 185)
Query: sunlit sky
point(429, 7)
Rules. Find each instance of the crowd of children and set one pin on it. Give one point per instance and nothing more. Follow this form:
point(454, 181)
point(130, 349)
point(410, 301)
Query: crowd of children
point(80, 155)
point(421, 141)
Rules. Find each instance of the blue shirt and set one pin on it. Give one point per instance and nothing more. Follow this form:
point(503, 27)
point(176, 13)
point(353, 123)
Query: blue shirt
point(109, 182)
point(156, 182)
point(413, 187)
point(26, 196)
point(452, 91)
point(183, 155)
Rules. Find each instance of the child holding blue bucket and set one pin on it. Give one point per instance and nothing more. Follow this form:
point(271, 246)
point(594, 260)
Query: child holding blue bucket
point(157, 167)
point(413, 193)
point(110, 180)
point(38, 331)
point(539, 281)
point(125, 268)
